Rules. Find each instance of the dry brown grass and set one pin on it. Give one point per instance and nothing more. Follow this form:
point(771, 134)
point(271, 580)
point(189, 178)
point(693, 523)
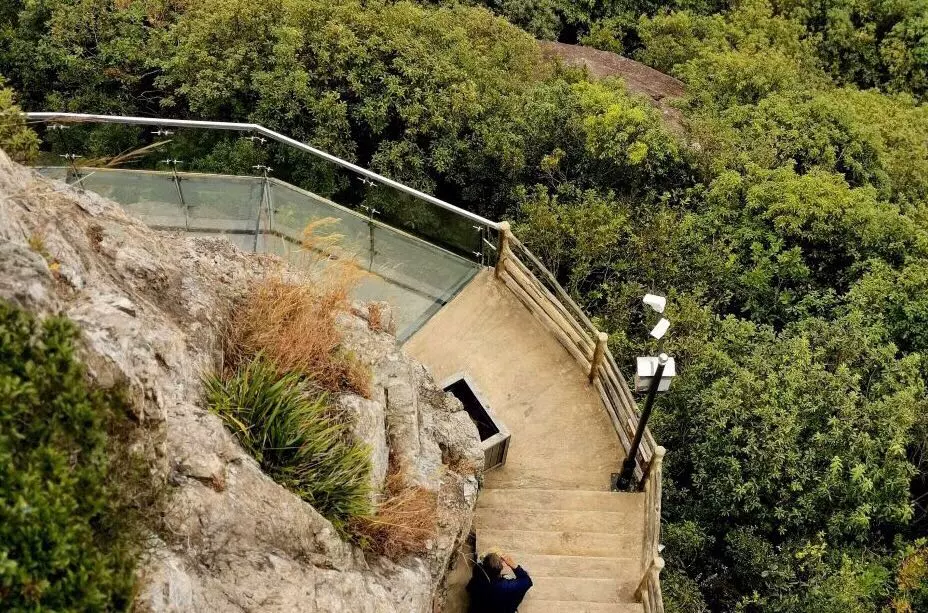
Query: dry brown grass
point(462, 466)
point(292, 321)
point(95, 235)
point(375, 316)
point(293, 325)
point(406, 518)
point(123, 158)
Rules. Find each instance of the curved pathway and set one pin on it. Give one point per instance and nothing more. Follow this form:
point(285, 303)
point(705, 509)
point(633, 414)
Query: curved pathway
point(550, 505)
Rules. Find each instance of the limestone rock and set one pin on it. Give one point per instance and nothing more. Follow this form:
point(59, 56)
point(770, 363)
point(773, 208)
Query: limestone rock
point(25, 278)
point(453, 434)
point(403, 423)
point(151, 307)
point(369, 425)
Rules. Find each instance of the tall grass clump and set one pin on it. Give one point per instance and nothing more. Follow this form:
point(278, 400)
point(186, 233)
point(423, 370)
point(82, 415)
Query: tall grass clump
point(71, 493)
point(287, 425)
point(293, 326)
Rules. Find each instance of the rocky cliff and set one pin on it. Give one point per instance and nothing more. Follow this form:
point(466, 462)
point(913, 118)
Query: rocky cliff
point(151, 307)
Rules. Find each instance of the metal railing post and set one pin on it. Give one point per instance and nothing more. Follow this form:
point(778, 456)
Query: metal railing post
point(73, 175)
point(180, 192)
point(628, 466)
point(371, 249)
point(480, 254)
point(270, 210)
point(265, 187)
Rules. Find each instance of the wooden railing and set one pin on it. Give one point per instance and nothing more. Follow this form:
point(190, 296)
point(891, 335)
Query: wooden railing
point(649, 589)
point(528, 278)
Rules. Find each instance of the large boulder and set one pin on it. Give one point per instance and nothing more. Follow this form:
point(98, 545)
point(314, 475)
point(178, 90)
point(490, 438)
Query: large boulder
point(151, 307)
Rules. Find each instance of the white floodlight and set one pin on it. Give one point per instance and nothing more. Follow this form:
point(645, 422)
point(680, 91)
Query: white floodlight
point(661, 328)
point(647, 367)
point(655, 302)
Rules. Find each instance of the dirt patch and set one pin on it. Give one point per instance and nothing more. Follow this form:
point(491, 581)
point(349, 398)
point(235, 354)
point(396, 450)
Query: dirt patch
point(660, 88)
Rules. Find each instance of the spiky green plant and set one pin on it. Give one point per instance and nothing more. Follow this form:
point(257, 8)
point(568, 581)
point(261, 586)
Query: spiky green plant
point(286, 425)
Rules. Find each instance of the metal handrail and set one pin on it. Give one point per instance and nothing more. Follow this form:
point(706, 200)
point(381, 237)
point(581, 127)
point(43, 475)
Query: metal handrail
point(252, 127)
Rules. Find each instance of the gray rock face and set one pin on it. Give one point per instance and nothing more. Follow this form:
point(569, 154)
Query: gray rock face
point(21, 271)
point(150, 307)
point(369, 425)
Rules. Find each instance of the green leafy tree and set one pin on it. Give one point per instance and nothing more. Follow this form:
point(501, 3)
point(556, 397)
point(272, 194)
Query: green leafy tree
point(19, 142)
point(95, 53)
point(912, 578)
point(798, 441)
point(900, 297)
point(868, 43)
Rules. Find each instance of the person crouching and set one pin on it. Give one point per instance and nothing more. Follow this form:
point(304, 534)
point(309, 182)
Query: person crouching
point(498, 585)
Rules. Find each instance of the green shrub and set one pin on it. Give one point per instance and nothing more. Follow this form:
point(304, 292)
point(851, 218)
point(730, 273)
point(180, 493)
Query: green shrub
point(681, 593)
point(16, 139)
point(608, 34)
point(287, 426)
point(67, 526)
point(912, 578)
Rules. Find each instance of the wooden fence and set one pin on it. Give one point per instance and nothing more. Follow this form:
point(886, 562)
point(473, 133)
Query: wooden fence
point(649, 588)
point(528, 278)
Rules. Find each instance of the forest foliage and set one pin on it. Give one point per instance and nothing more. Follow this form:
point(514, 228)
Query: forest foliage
point(787, 224)
point(868, 43)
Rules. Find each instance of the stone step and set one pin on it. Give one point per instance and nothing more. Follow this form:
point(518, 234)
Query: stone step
point(555, 520)
point(626, 571)
point(576, 589)
point(573, 606)
point(562, 543)
point(565, 500)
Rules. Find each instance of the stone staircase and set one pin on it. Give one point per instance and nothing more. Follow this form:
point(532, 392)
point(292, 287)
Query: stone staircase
point(582, 548)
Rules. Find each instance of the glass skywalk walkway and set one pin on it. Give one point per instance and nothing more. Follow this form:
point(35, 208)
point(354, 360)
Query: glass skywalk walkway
point(419, 250)
point(266, 215)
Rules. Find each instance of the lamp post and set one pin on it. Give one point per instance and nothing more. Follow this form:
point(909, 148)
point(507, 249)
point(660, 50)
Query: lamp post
point(626, 477)
point(625, 480)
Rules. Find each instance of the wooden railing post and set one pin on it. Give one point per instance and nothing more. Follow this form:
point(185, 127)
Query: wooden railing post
point(651, 575)
point(598, 353)
point(651, 479)
point(656, 463)
point(502, 249)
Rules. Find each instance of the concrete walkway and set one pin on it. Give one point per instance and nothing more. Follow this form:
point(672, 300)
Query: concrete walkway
point(550, 505)
point(561, 435)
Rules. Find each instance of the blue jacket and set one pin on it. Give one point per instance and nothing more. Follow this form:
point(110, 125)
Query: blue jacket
point(500, 596)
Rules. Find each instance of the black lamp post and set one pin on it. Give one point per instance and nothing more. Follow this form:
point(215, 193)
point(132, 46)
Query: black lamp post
point(625, 479)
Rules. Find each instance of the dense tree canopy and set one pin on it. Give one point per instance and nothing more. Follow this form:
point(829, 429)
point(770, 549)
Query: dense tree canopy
point(869, 43)
point(787, 223)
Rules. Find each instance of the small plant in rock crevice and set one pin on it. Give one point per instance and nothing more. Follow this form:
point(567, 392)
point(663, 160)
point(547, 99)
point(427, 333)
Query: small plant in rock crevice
point(405, 520)
point(37, 244)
